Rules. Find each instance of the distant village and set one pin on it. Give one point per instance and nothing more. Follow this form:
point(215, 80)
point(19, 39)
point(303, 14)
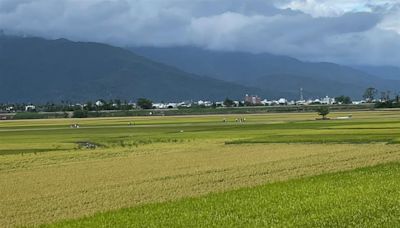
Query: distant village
point(69, 109)
point(251, 100)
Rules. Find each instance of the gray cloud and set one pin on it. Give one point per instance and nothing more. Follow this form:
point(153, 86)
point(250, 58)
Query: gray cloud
point(355, 32)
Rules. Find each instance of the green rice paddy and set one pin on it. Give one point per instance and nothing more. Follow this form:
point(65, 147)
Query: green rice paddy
point(285, 169)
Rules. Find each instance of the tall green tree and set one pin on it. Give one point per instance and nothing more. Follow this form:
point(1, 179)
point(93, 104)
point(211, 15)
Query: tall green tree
point(144, 103)
point(343, 99)
point(323, 111)
point(229, 103)
point(369, 94)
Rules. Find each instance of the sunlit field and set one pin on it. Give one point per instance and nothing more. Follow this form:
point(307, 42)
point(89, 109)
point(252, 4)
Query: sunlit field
point(202, 171)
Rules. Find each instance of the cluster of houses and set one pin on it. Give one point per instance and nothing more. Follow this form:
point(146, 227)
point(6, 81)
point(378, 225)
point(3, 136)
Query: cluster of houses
point(27, 108)
point(186, 104)
point(255, 100)
point(251, 100)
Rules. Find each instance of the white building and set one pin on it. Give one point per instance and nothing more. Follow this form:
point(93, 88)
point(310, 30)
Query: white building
point(10, 109)
point(30, 108)
point(327, 100)
point(359, 102)
point(208, 103)
point(99, 103)
point(159, 106)
point(172, 105)
point(317, 101)
point(185, 104)
point(282, 101)
point(204, 103)
point(301, 102)
point(219, 104)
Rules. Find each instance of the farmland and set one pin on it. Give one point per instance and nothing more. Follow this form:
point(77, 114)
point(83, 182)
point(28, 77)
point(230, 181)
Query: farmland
point(142, 171)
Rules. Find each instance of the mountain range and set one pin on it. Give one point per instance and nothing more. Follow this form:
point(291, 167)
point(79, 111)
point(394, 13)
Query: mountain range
point(278, 75)
point(41, 70)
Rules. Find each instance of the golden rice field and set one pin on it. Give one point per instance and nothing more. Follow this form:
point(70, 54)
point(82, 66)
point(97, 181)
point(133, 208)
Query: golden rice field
point(47, 176)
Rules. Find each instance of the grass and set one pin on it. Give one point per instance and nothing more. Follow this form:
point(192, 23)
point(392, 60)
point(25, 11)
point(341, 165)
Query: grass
point(367, 197)
point(47, 175)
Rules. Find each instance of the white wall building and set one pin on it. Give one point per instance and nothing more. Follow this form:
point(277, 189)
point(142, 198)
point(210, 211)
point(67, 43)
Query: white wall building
point(30, 108)
point(327, 100)
point(282, 101)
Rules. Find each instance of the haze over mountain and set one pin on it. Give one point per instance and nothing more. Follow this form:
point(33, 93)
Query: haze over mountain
point(35, 69)
point(388, 72)
point(280, 74)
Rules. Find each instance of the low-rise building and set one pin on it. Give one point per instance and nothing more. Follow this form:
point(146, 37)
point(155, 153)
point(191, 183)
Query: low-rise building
point(253, 100)
point(159, 106)
point(204, 103)
point(30, 108)
point(10, 109)
point(185, 104)
point(327, 100)
point(282, 101)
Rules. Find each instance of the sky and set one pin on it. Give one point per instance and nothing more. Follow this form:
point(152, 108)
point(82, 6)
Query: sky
point(352, 32)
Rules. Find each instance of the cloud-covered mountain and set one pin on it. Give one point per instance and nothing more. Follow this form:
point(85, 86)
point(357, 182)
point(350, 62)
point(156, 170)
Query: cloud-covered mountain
point(353, 32)
point(280, 74)
point(34, 69)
